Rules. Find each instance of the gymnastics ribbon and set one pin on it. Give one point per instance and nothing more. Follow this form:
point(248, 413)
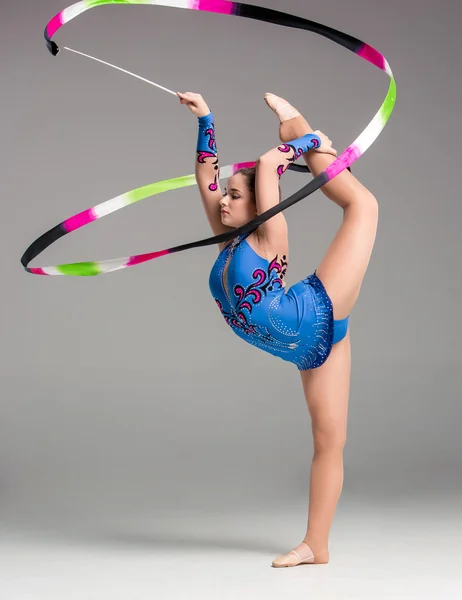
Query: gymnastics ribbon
point(342, 162)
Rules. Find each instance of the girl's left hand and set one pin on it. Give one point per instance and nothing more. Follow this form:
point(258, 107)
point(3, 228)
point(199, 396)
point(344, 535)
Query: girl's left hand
point(326, 144)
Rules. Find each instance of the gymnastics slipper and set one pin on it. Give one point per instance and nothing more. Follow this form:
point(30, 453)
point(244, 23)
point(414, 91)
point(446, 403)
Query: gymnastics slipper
point(281, 107)
point(300, 556)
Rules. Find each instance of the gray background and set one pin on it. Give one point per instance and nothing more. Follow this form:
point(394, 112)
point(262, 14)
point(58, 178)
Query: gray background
point(126, 393)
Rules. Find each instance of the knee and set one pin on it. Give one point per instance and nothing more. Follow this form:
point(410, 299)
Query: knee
point(362, 210)
point(329, 438)
point(372, 205)
point(364, 202)
point(367, 203)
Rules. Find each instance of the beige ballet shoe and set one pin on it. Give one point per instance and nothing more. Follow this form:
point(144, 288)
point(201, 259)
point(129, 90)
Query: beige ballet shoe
point(281, 107)
point(302, 555)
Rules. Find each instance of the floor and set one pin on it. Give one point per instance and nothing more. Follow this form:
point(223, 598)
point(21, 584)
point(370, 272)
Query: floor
point(380, 549)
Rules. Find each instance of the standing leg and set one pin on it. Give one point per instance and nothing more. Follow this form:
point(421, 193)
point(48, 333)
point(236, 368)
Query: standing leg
point(327, 393)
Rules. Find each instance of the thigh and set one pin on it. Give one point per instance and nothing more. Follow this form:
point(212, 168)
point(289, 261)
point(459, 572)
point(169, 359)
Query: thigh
point(345, 263)
point(327, 390)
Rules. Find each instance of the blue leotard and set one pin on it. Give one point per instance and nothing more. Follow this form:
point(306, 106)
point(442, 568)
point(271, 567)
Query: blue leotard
point(296, 325)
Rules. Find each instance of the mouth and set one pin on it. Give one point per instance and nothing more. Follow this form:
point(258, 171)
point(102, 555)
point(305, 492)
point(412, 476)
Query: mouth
point(223, 212)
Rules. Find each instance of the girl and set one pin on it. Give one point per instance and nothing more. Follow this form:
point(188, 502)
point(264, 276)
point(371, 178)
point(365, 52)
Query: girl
point(308, 323)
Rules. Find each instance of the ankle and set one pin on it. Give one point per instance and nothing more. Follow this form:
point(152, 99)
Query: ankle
point(320, 548)
point(293, 128)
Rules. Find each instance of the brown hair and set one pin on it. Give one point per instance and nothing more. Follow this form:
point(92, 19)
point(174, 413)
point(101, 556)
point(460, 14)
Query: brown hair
point(249, 175)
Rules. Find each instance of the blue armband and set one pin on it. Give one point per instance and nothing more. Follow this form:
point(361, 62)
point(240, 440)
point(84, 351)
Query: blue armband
point(206, 144)
point(303, 144)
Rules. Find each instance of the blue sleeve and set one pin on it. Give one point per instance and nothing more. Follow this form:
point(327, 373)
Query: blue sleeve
point(206, 135)
point(207, 167)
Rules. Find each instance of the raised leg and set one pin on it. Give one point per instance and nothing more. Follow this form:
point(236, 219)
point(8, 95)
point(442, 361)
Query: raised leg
point(327, 387)
point(344, 265)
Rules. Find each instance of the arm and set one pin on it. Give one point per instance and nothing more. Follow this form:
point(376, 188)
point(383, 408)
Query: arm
point(269, 169)
point(207, 168)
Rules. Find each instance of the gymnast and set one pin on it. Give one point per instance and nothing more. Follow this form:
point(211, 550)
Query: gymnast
point(307, 324)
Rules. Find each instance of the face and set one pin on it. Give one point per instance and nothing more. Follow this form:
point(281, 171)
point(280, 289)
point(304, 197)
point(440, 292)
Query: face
point(237, 205)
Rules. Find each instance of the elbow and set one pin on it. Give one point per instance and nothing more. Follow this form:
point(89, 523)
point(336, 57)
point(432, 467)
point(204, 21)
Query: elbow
point(269, 161)
point(265, 159)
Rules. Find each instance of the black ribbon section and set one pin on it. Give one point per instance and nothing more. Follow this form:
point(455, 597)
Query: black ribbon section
point(41, 243)
point(305, 191)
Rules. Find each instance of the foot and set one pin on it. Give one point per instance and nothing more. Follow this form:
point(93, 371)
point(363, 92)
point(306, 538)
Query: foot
point(302, 555)
point(281, 107)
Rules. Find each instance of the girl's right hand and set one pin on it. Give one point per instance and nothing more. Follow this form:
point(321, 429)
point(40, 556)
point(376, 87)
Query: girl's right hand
point(195, 103)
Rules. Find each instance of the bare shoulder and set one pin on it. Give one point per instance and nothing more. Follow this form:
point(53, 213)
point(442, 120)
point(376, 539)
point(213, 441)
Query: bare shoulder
point(272, 248)
point(271, 251)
